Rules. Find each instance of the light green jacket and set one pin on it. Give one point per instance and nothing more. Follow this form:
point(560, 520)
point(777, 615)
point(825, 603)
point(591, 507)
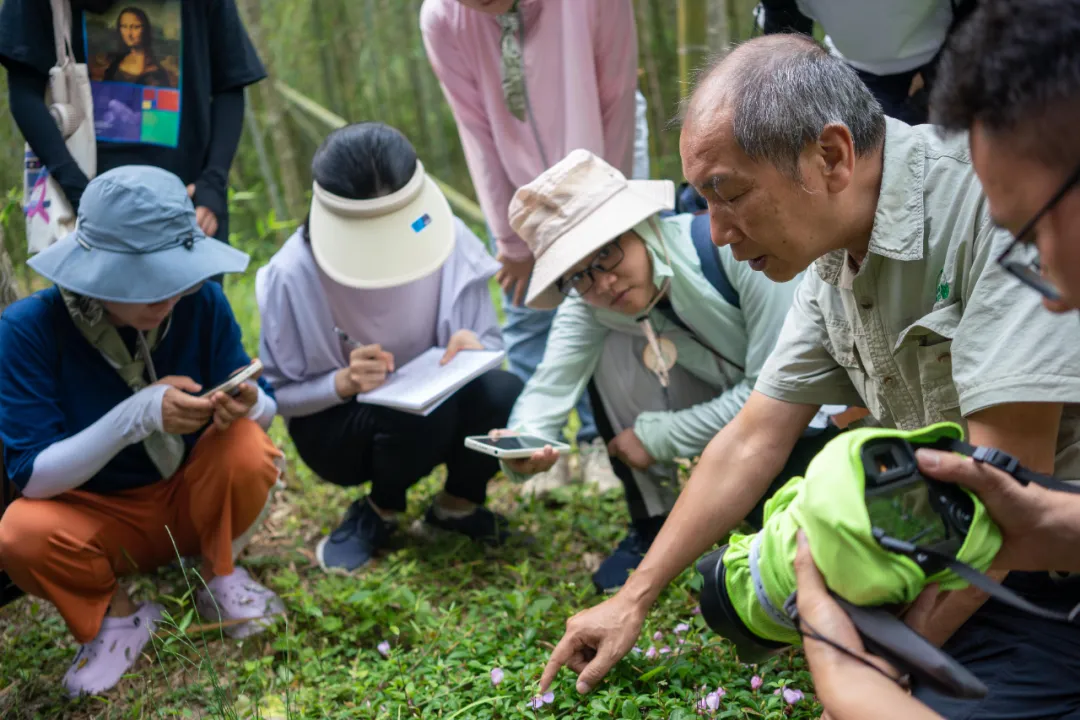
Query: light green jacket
point(744, 336)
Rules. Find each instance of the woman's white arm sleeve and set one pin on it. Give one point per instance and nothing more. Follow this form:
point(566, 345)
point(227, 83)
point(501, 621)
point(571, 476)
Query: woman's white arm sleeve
point(264, 410)
point(67, 464)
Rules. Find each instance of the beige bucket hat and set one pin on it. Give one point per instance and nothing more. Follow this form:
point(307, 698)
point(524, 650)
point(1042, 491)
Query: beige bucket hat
point(382, 242)
point(572, 210)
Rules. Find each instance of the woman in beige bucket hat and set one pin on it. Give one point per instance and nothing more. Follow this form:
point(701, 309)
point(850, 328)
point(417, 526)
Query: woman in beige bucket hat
point(668, 355)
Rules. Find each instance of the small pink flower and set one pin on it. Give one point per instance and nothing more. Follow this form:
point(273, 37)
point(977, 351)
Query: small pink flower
point(665, 650)
point(792, 696)
point(681, 628)
point(496, 676)
point(383, 648)
point(651, 652)
point(721, 692)
point(658, 636)
point(755, 682)
point(696, 610)
point(540, 701)
point(776, 691)
point(681, 641)
point(712, 702)
point(636, 650)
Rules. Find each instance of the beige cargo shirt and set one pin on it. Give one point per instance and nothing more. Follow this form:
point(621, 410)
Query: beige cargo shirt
point(929, 328)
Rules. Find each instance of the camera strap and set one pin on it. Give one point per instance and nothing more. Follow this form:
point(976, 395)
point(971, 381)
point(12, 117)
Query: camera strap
point(1006, 463)
point(1010, 465)
point(973, 577)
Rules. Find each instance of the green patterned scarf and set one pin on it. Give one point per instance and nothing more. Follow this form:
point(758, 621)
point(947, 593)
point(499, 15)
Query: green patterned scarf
point(513, 61)
point(166, 451)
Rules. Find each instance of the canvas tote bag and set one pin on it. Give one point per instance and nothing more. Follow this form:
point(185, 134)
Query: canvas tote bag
point(49, 215)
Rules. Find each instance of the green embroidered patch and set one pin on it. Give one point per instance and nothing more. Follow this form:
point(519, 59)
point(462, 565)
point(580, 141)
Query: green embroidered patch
point(942, 287)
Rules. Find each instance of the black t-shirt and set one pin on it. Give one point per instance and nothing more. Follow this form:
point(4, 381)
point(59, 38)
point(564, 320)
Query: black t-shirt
point(154, 65)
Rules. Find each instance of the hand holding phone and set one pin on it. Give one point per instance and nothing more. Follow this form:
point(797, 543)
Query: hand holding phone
point(523, 453)
point(234, 398)
point(231, 387)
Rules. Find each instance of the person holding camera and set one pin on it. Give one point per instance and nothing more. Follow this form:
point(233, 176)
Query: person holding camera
point(126, 455)
point(904, 311)
point(1011, 78)
point(381, 272)
point(665, 331)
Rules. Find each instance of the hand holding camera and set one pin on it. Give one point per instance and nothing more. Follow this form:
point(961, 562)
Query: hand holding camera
point(1039, 529)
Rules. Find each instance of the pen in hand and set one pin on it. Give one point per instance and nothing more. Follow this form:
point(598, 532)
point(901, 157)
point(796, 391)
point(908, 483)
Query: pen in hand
point(374, 351)
point(348, 341)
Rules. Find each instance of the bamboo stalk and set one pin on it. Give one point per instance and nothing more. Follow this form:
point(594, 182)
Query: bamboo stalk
point(330, 76)
point(719, 27)
point(432, 102)
point(387, 109)
point(265, 168)
point(411, 35)
point(275, 113)
point(652, 78)
point(464, 207)
point(692, 26)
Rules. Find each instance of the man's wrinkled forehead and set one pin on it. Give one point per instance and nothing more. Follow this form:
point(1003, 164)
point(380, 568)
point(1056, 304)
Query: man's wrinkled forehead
point(710, 154)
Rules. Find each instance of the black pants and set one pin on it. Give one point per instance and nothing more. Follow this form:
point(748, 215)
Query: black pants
point(353, 443)
point(1029, 664)
point(805, 450)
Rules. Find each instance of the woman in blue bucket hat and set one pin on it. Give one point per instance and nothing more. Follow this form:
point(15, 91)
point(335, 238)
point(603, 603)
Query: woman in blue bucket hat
point(122, 459)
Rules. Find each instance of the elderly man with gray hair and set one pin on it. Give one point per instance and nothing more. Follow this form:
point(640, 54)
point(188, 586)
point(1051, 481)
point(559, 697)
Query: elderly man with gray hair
point(905, 313)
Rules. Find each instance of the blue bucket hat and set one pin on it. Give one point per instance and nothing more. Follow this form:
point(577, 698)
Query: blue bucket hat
point(136, 240)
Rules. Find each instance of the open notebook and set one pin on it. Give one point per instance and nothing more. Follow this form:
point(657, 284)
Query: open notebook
point(422, 384)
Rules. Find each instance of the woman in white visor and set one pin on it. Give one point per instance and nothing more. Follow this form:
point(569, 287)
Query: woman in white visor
point(381, 272)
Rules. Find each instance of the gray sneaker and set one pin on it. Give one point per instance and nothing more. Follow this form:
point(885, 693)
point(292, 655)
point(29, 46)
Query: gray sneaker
point(356, 540)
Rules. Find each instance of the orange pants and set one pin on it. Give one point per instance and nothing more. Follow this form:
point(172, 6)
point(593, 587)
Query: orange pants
point(70, 549)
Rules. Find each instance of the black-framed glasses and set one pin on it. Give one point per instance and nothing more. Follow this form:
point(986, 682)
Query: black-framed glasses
point(605, 260)
point(1021, 258)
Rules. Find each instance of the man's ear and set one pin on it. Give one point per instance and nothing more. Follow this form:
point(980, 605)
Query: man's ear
point(836, 157)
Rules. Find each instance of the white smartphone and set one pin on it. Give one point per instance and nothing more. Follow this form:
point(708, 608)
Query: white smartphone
point(232, 386)
point(512, 447)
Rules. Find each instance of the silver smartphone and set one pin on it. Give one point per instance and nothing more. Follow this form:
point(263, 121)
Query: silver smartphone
point(231, 386)
point(512, 447)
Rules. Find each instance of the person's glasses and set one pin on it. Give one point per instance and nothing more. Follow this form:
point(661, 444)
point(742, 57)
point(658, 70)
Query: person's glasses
point(1021, 258)
point(605, 260)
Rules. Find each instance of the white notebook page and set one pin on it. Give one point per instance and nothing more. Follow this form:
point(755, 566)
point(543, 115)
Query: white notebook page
point(422, 384)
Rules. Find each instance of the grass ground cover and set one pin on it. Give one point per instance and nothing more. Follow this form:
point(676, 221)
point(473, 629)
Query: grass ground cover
point(440, 628)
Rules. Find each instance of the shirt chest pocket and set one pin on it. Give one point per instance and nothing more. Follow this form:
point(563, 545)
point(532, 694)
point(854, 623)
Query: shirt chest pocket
point(924, 350)
point(841, 346)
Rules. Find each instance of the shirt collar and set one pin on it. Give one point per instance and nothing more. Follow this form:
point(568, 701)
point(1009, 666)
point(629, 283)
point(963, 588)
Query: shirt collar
point(899, 218)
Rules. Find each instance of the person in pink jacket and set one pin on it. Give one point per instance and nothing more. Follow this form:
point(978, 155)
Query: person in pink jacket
point(529, 81)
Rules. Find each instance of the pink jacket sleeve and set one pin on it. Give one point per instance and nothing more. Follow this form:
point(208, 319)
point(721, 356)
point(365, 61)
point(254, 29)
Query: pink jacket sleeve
point(493, 187)
point(616, 53)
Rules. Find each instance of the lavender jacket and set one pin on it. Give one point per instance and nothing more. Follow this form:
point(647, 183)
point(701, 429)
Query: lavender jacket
point(298, 346)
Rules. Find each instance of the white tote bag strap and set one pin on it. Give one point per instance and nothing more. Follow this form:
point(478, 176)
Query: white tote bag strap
point(61, 10)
